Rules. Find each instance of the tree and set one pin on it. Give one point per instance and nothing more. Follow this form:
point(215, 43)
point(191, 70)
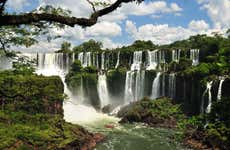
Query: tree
point(90, 45)
point(33, 17)
point(14, 36)
point(65, 47)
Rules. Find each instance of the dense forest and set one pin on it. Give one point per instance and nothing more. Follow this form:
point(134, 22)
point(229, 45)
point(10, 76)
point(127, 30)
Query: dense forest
point(142, 96)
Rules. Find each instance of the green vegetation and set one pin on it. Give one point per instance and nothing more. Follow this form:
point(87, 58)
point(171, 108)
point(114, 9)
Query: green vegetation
point(89, 46)
point(65, 48)
point(31, 113)
point(20, 130)
point(159, 112)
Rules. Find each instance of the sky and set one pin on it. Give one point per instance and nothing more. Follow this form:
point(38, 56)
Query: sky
point(161, 21)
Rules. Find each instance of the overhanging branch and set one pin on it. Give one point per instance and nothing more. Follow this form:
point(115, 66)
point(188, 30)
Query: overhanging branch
point(29, 18)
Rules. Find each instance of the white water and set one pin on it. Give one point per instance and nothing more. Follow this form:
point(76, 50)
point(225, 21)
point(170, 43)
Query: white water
point(219, 94)
point(103, 90)
point(207, 90)
point(176, 55)
point(163, 85)
point(137, 61)
point(152, 60)
point(85, 59)
point(156, 86)
point(129, 95)
point(118, 59)
point(103, 61)
point(134, 84)
point(194, 56)
point(172, 85)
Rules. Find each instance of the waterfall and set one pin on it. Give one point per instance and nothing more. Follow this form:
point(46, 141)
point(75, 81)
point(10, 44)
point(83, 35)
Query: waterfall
point(134, 84)
point(103, 90)
point(5, 63)
point(88, 59)
point(73, 57)
point(207, 90)
point(176, 55)
point(152, 60)
point(163, 85)
point(139, 85)
point(129, 95)
point(156, 86)
point(172, 85)
point(194, 56)
point(220, 88)
point(81, 57)
point(97, 62)
point(85, 59)
point(137, 61)
point(103, 61)
point(118, 59)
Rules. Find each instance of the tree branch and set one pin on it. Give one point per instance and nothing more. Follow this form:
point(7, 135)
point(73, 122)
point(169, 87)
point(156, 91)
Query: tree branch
point(2, 6)
point(91, 3)
point(29, 18)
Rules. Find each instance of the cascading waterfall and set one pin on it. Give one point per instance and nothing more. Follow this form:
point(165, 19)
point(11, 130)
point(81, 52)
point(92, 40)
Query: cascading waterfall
point(137, 61)
point(129, 95)
point(103, 61)
point(194, 56)
point(139, 85)
point(219, 94)
point(176, 55)
point(134, 85)
point(73, 57)
point(103, 90)
point(85, 59)
point(156, 87)
point(172, 85)
point(163, 85)
point(118, 59)
point(152, 60)
point(207, 90)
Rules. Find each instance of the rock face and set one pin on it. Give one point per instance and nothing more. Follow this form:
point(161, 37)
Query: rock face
point(31, 115)
point(156, 113)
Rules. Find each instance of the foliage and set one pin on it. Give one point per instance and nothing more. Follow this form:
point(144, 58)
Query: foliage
point(30, 93)
point(88, 46)
point(153, 112)
point(90, 69)
point(16, 36)
point(65, 48)
point(76, 66)
point(19, 130)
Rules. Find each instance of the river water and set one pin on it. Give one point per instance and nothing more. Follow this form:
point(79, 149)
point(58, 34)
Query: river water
point(121, 137)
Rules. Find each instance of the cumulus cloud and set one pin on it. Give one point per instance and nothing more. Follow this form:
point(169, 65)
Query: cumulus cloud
point(143, 9)
point(218, 11)
point(158, 34)
point(198, 25)
point(104, 28)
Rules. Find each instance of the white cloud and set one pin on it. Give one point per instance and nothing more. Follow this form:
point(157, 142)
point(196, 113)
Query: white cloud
point(158, 34)
point(17, 4)
point(104, 28)
point(130, 27)
point(175, 7)
point(218, 11)
point(143, 9)
point(198, 25)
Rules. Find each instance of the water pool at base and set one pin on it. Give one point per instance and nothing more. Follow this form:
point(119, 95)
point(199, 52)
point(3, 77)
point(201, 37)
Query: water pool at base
point(121, 137)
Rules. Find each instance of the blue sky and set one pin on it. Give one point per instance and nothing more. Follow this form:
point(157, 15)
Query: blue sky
point(161, 21)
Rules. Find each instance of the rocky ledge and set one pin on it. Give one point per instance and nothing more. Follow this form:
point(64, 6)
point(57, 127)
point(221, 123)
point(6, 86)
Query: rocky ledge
point(160, 112)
